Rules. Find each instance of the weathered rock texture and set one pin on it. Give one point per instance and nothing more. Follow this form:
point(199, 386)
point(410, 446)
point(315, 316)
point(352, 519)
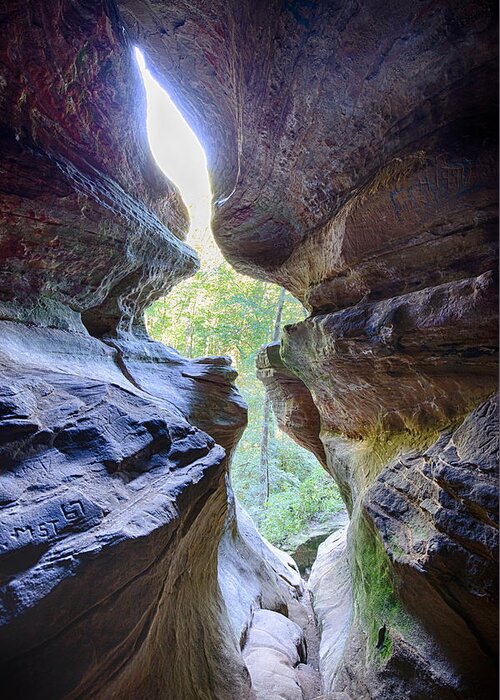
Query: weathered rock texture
point(352, 148)
point(349, 143)
point(331, 592)
point(113, 505)
point(392, 249)
point(352, 152)
point(292, 402)
point(88, 222)
point(273, 650)
point(426, 592)
point(119, 537)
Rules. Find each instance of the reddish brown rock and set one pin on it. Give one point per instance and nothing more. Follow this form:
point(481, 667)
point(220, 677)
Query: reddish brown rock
point(412, 362)
point(113, 498)
point(350, 146)
point(352, 154)
point(88, 222)
point(291, 400)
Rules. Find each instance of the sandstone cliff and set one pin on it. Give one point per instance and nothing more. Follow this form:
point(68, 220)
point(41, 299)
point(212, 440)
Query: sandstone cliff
point(352, 154)
point(119, 539)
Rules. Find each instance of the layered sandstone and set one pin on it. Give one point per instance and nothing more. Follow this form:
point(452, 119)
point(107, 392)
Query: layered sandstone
point(352, 150)
point(352, 155)
point(119, 538)
point(114, 505)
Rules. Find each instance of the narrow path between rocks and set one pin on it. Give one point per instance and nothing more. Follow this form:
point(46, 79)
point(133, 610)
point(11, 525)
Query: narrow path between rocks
point(282, 653)
point(301, 613)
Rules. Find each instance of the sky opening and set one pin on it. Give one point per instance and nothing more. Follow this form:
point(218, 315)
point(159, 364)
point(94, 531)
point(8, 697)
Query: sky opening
point(181, 157)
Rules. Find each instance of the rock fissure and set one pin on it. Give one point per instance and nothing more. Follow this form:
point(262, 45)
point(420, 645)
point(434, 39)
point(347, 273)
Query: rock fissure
point(352, 155)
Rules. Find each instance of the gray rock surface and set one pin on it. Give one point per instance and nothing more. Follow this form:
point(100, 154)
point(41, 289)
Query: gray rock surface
point(352, 151)
point(303, 547)
point(273, 650)
point(113, 504)
point(103, 489)
point(331, 595)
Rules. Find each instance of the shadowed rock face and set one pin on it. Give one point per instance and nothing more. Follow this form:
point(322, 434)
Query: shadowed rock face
point(352, 155)
point(113, 505)
point(114, 491)
point(349, 143)
point(352, 150)
point(422, 558)
point(437, 514)
point(291, 400)
point(88, 223)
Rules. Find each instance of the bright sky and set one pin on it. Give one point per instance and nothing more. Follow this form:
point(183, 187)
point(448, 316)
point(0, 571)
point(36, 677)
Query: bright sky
point(180, 155)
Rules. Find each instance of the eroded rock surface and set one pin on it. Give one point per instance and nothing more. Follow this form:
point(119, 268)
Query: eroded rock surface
point(426, 594)
point(350, 145)
point(114, 489)
point(437, 514)
point(273, 650)
point(291, 400)
point(88, 222)
point(352, 154)
point(331, 592)
point(406, 602)
point(104, 487)
point(365, 183)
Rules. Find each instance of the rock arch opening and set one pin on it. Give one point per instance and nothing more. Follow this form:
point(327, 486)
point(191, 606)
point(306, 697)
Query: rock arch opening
point(353, 161)
point(222, 312)
point(181, 157)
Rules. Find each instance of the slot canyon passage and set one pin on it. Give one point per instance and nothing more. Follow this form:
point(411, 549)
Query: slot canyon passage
point(352, 154)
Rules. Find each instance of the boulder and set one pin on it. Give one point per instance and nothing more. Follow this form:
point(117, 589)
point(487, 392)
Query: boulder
point(303, 547)
point(273, 650)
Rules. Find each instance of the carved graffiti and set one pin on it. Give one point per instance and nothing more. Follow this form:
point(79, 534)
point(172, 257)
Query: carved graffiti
point(445, 180)
point(55, 518)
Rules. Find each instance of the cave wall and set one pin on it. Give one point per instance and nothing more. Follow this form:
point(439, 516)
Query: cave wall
point(353, 155)
point(120, 541)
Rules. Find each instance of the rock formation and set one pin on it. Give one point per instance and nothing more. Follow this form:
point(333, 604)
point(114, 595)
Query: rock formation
point(114, 493)
point(352, 154)
point(352, 149)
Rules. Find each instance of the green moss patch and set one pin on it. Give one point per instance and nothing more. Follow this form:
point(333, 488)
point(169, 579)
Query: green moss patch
point(377, 604)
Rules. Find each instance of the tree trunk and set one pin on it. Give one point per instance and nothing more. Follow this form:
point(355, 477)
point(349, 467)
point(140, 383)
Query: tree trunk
point(190, 331)
point(279, 314)
point(264, 443)
point(264, 452)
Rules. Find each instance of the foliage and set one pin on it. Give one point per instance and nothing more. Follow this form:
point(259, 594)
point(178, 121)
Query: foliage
point(289, 510)
point(220, 312)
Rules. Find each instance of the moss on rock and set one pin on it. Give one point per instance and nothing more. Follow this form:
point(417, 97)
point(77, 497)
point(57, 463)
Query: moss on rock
point(377, 603)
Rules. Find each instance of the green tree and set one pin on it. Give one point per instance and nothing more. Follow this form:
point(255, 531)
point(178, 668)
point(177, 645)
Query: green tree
point(264, 440)
point(220, 312)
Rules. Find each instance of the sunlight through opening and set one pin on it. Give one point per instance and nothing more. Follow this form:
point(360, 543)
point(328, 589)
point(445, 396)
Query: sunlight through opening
point(219, 311)
point(181, 157)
